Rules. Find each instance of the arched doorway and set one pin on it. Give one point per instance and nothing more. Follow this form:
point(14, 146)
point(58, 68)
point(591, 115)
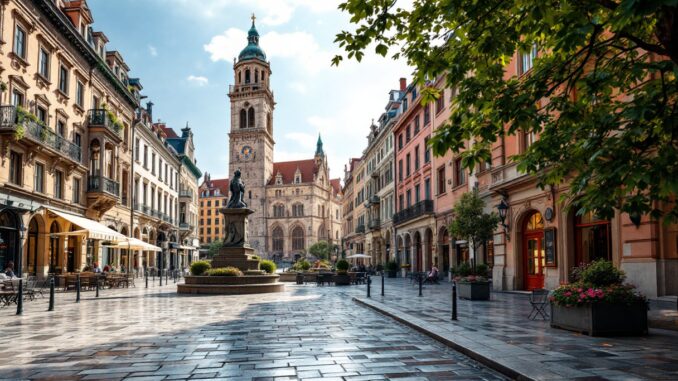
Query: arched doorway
point(407, 259)
point(533, 251)
point(32, 247)
point(9, 239)
point(54, 248)
point(592, 239)
point(298, 239)
point(417, 252)
point(71, 250)
point(444, 248)
point(278, 242)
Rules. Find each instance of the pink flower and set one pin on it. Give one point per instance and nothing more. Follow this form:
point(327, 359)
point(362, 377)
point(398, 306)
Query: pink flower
point(582, 296)
point(568, 293)
point(591, 292)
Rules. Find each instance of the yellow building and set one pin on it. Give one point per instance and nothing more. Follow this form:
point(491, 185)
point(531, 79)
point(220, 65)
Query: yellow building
point(213, 196)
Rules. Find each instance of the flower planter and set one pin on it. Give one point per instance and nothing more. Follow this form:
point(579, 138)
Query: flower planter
point(473, 290)
point(342, 280)
point(602, 319)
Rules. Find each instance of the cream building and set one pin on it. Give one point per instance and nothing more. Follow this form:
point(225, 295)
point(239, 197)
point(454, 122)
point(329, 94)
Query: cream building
point(65, 137)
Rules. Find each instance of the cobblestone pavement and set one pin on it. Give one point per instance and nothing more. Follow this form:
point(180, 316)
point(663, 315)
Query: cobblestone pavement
point(305, 333)
point(499, 330)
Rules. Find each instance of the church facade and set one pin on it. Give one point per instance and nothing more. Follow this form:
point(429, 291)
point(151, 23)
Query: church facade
point(295, 203)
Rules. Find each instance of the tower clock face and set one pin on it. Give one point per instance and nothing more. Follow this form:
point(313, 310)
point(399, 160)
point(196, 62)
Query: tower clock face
point(247, 153)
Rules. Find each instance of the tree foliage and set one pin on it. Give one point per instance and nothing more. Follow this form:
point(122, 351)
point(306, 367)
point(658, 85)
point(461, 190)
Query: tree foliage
point(601, 95)
point(471, 222)
point(213, 248)
point(322, 250)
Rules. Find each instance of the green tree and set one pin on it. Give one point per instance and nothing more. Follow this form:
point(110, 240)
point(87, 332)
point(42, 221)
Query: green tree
point(471, 222)
point(213, 248)
point(322, 250)
point(616, 152)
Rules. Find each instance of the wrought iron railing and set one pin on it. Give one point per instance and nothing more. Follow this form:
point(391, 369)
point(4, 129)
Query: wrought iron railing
point(374, 224)
point(414, 211)
point(104, 185)
point(360, 229)
point(99, 117)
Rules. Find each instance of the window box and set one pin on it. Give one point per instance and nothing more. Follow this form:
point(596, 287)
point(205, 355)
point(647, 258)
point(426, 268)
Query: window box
point(602, 319)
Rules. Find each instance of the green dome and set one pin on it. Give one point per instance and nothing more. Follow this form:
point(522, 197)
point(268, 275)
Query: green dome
point(252, 50)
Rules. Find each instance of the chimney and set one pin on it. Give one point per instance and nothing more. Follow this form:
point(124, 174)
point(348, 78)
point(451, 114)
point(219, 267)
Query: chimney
point(149, 110)
point(403, 84)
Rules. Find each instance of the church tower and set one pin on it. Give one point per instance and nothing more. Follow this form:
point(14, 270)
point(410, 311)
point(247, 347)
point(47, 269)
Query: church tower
point(251, 134)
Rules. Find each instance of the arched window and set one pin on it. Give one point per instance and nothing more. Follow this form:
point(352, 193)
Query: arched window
point(298, 238)
point(247, 76)
point(32, 247)
point(278, 239)
point(256, 75)
point(95, 158)
point(592, 238)
point(243, 118)
point(269, 123)
point(250, 117)
point(322, 233)
point(239, 77)
point(263, 76)
point(279, 210)
point(298, 210)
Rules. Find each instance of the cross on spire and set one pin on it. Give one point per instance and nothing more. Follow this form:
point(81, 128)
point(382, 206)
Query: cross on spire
point(253, 18)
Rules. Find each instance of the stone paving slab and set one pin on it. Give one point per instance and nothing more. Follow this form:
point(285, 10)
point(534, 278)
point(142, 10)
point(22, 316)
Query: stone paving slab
point(497, 333)
point(306, 333)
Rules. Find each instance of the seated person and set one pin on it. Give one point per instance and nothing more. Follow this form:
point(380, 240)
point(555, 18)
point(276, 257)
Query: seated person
point(9, 270)
point(433, 275)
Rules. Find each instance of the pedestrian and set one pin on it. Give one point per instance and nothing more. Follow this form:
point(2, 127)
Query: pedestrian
point(9, 269)
point(97, 269)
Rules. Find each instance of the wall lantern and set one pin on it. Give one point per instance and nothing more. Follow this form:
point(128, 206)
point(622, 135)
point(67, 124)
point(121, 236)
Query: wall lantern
point(502, 208)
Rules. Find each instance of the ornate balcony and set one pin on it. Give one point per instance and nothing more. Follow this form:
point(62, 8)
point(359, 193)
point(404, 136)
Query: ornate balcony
point(374, 224)
point(419, 209)
point(33, 131)
point(360, 229)
point(101, 120)
point(186, 194)
point(185, 226)
point(102, 194)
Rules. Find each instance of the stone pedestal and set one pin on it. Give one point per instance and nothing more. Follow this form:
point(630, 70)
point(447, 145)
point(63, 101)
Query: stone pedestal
point(236, 252)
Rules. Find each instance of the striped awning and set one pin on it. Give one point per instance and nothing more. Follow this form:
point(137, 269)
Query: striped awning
point(88, 228)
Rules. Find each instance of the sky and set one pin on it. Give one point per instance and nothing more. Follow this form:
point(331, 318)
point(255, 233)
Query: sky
point(183, 50)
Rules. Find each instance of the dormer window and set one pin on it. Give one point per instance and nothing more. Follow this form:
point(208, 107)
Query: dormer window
point(278, 179)
point(297, 178)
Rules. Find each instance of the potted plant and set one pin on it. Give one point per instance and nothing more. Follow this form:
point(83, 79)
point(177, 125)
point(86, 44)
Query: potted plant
point(599, 303)
point(392, 269)
point(342, 278)
point(472, 283)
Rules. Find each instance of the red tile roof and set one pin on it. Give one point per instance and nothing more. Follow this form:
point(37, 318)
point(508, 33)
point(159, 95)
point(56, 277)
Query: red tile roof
point(222, 184)
point(288, 168)
point(169, 132)
point(336, 186)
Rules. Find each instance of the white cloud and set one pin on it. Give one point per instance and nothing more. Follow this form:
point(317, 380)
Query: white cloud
point(199, 81)
point(300, 47)
point(302, 140)
point(152, 50)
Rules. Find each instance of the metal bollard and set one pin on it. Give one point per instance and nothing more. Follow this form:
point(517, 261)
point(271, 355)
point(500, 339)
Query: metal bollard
point(454, 300)
point(421, 281)
point(382, 283)
point(97, 285)
point(369, 283)
point(174, 275)
point(160, 278)
point(51, 294)
point(146, 280)
point(20, 298)
point(77, 292)
point(166, 277)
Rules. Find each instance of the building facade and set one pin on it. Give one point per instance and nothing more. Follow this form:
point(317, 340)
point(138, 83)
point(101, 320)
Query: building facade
point(296, 203)
point(213, 196)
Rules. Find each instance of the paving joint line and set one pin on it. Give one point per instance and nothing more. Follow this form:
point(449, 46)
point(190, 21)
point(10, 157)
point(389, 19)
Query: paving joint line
point(405, 319)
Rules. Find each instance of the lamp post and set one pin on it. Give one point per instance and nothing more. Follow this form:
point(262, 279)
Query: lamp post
point(19, 267)
point(502, 208)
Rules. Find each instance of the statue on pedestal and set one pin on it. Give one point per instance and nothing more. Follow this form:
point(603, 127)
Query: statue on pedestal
point(237, 189)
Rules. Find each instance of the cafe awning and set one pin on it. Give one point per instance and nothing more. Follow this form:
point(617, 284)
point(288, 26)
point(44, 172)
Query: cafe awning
point(88, 228)
point(135, 244)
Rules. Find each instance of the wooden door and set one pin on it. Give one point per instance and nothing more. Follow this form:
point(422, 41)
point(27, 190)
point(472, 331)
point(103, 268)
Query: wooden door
point(533, 255)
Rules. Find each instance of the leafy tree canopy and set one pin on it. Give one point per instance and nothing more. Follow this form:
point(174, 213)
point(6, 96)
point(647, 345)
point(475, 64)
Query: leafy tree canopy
point(471, 222)
point(213, 248)
point(601, 95)
point(322, 250)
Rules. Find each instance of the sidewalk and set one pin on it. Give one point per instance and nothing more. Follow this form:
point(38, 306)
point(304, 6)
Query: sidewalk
point(497, 333)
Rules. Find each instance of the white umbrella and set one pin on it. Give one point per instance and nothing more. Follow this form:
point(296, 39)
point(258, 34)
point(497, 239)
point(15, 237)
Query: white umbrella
point(358, 256)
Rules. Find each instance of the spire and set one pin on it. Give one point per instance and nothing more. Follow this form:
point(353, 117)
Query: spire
point(252, 50)
point(319, 147)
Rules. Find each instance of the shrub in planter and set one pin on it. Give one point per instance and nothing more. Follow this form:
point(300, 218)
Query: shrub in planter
point(199, 267)
point(472, 284)
point(342, 265)
point(301, 265)
point(268, 266)
point(599, 303)
point(224, 271)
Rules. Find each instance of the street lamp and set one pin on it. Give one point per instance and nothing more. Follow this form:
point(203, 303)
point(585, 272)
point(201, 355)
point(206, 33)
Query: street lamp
point(502, 207)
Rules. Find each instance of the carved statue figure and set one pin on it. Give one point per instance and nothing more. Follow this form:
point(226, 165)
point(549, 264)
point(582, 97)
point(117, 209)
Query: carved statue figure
point(233, 238)
point(237, 192)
